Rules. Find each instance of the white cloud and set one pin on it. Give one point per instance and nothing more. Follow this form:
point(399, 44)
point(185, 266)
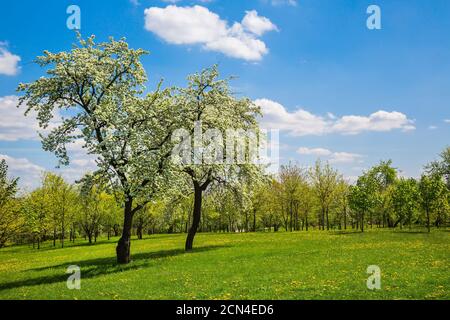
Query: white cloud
point(256, 24)
point(345, 157)
point(314, 151)
point(333, 157)
point(298, 123)
point(447, 120)
point(378, 121)
point(8, 61)
point(432, 127)
point(28, 172)
point(302, 122)
point(292, 3)
point(15, 125)
point(198, 25)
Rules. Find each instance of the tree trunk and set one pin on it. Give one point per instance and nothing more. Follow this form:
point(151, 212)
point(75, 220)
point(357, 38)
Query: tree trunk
point(254, 220)
point(196, 215)
point(123, 246)
point(428, 220)
point(139, 232)
point(362, 222)
point(323, 219)
point(345, 219)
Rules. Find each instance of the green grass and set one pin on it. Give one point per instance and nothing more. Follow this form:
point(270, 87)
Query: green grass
point(313, 265)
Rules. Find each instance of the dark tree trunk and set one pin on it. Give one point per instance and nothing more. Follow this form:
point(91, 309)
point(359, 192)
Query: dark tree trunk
point(123, 246)
point(362, 222)
point(345, 219)
point(139, 232)
point(196, 215)
point(322, 222)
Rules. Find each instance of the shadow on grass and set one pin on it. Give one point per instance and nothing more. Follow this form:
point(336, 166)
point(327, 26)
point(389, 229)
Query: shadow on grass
point(102, 266)
point(344, 233)
point(411, 231)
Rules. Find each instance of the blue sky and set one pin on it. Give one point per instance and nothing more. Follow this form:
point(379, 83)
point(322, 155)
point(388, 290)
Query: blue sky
point(336, 89)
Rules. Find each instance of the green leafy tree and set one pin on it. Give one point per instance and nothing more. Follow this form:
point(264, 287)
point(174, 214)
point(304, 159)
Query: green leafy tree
point(441, 166)
point(405, 201)
point(363, 197)
point(10, 221)
point(37, 215)
point(432, 195)
point(342, 202)
point(324, 180)
point(385, 176)
point(60, 202)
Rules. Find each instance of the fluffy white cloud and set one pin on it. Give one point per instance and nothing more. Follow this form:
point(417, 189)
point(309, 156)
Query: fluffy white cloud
point(378, 121)
point(447, 120)
point(298, 123)
point(198, 25)
point(256, 24)
point(28, 172)
point(345, 157)
point(302, 122)
point(8, 61)
point(333, 157)
point(15, 125)
point(31, 174)
point(314, 151)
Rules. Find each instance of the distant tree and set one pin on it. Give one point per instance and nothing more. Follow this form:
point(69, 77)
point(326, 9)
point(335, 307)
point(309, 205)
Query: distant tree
point(307, 201)
point(324, 180)
point(385, 177)
point(342, 202)
point(37, 215)
point(90, 213)
point(144, 218)
point(111, 214)
point(292, 177)
point(363, 197)
point(405, 201)
point(433, 194)
point(441, 166)
point(60, 202)
point(10, 221)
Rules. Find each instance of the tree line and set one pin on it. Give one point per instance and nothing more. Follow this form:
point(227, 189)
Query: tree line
point(296, 199)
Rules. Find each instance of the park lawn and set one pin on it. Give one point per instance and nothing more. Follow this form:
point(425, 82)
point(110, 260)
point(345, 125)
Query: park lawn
point(299, 265)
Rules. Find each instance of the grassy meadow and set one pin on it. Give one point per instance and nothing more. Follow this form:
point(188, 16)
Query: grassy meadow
point(299, 265)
